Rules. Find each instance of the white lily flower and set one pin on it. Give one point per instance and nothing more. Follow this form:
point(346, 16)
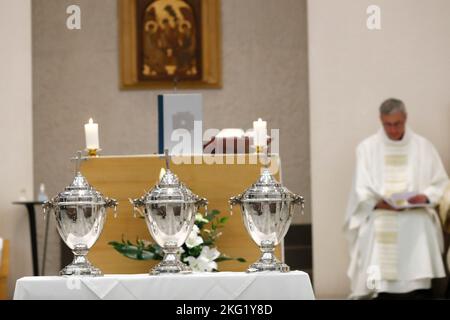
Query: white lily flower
point(194, 239)
point(195, 229)
point(205, 262)
point(210, 254)
point(199, 218)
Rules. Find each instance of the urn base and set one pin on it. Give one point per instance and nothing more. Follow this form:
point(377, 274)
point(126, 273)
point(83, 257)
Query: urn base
point(84, 269)
point(261, 266)
point(170, 264)
point(80, 265)
point(268, 261)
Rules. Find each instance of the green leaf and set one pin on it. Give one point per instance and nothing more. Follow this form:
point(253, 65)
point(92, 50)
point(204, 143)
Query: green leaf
point(146, 255)
point(200, 225)
point(195, 251)
point(221, 259)
point(136, 252)
point(143, 251)
point(227, 258)
point(223, 220)
point(212, 214)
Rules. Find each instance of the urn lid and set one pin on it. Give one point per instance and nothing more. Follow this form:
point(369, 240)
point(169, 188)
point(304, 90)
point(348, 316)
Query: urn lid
point(170, 189)
point(80, 192)
point(267, 188)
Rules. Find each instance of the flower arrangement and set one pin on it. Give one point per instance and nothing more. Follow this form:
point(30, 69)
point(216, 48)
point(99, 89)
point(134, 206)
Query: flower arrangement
point(199, 250)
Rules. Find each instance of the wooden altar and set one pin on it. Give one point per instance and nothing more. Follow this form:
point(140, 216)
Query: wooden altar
point(127, 177)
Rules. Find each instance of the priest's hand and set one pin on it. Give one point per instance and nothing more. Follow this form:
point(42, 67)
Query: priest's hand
point(383, 205)
point(419, 199)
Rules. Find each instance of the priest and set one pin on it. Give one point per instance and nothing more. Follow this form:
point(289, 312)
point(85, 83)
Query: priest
point(395, 248)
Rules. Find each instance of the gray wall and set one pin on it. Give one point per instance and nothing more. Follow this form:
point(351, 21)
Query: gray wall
point(16, 167)
point(76, 76)
point(408, 58)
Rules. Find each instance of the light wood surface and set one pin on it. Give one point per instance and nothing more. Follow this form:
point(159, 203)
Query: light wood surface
point(4, 271)
point(122, 178)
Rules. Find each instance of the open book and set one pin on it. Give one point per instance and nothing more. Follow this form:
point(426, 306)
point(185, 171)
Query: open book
point(400, 201)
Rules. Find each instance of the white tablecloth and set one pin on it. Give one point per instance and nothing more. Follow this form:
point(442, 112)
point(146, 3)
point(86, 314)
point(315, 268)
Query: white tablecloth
point(197, 286)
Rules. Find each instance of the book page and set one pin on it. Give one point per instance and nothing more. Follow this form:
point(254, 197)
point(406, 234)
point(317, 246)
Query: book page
point(400, 201)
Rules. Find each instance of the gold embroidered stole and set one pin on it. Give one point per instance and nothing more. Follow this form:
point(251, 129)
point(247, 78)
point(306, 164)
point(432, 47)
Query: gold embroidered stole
point(386, 222)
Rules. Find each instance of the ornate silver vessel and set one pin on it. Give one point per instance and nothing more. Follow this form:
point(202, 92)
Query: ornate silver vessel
point(169, 211)
point(267, 209)
point(80, 213)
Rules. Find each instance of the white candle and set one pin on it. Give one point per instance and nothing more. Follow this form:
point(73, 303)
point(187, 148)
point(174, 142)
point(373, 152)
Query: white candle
point(91, 131)
point(260, 131)
point(162, 173)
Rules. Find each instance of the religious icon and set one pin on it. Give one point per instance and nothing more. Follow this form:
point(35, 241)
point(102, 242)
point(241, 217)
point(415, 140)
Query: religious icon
point(170, 43)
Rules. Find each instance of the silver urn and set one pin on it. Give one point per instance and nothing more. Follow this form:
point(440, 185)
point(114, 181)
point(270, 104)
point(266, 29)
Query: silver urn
point(267, 209)
point(169, 210)
point(80, 213)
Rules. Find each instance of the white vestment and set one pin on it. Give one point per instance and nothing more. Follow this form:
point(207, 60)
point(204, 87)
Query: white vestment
point(395, 252)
